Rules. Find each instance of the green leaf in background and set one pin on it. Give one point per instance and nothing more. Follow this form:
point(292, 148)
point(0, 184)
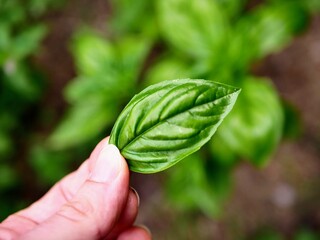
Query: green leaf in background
point(170, 67)
point(133, 51)
point(96, 55)
point(83, 122)
point(180, 187)
point(196, 27)
point(106, 68)
point(133, 17)
point(232, 8)
point(49, 166)
point(276, 25)
point(222, 150)
point(11, 12)
point(176, 67)
point(265, 30)
point(4, 42)
point(170, 120)
point(205, 186)
point(92, 53)
point(21, 82)
point(107, 78)
point(38, 7)
point(254, 128)
point(27, 41)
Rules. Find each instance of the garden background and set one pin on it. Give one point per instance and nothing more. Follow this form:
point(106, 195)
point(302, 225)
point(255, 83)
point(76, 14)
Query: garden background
point(67, 68)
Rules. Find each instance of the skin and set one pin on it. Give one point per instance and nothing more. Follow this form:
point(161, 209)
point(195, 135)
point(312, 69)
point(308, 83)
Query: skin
point(94, 202)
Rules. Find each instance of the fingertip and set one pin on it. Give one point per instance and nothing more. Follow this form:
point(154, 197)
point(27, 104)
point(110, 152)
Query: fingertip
point(95, 153)
point(112, 150)
point(108, 165)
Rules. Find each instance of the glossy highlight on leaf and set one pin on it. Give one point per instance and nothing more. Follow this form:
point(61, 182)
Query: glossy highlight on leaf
point(170, 120)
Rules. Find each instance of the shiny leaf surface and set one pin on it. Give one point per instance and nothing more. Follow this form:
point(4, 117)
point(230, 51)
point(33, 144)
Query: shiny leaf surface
point(170, 120)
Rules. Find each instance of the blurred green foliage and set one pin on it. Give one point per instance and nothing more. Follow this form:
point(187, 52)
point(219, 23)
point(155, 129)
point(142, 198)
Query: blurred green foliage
point(151, 41)
point(218, 40)
point(301, 233)
point(108, 76)
point(21, 86)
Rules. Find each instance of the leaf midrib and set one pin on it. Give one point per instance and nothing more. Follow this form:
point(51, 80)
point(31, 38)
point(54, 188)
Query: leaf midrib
point(150, 129)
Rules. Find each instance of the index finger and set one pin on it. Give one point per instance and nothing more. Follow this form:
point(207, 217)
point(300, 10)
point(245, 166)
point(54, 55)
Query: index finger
point(51, 202)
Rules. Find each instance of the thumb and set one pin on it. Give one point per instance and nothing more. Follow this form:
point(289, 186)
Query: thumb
point(96, 207)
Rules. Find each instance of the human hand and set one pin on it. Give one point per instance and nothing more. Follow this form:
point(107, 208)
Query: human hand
point(94, 202)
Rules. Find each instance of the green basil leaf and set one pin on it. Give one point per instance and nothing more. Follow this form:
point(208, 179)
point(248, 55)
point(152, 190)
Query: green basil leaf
point(132, 16)
point(27, 41)
point(170, 120)
point(83, 122)
point(196, 27)
point(232, 8)
point(106, 68)
point(205, 187)
point(92, 53)
point(169, 67)
point(274, 26)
